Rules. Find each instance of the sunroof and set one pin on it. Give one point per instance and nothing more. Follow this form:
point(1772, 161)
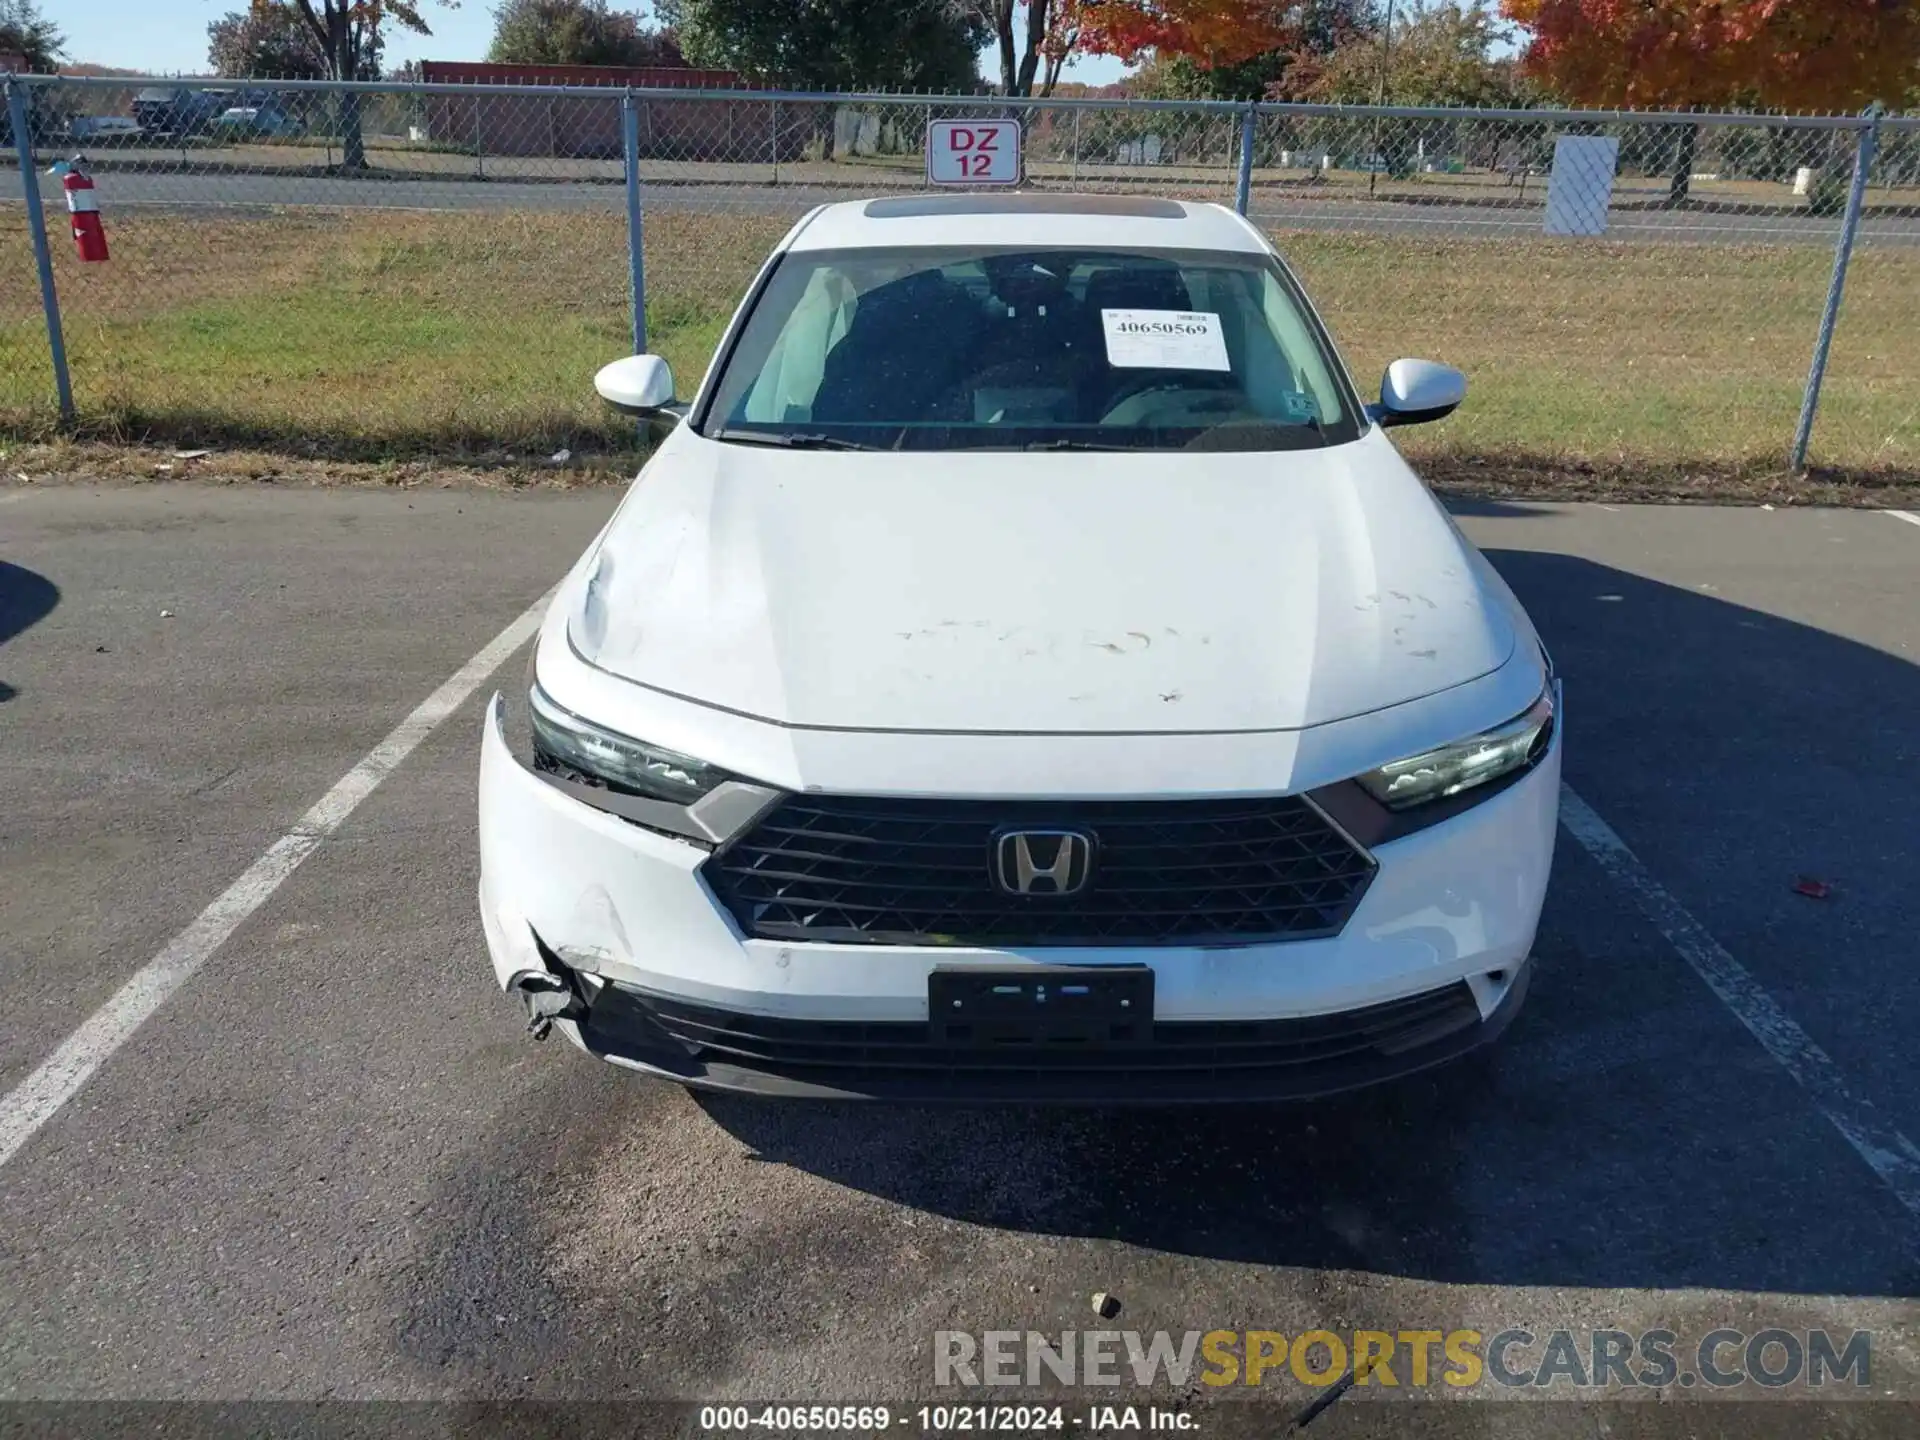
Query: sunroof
point(1023, 203)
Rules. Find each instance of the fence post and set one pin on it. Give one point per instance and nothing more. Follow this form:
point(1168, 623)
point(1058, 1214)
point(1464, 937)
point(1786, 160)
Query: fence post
point(479, 143)
point(1076, 144)
point(1244, 187)
point(636, 254)
point(774, 125)
point(1842, 253)
point(42, 256)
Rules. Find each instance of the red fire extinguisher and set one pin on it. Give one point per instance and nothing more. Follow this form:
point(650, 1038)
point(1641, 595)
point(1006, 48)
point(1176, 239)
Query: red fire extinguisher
point(89, 234)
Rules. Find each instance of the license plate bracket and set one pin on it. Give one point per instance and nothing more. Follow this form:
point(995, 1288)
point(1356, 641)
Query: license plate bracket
point(1041, 1007)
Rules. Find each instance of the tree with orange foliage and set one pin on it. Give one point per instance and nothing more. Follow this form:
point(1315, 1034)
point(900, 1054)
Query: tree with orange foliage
point(1317, 29)
point(1210, 32)
point(1827, 55)
point(1831, 55)
point(1036, 38)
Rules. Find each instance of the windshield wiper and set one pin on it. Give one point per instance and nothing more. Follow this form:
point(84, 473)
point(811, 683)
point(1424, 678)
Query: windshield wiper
point(791, 439)
point(1079, 445)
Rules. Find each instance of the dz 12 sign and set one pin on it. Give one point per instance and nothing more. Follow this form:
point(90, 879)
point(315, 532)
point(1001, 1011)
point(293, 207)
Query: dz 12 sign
point(973, 152)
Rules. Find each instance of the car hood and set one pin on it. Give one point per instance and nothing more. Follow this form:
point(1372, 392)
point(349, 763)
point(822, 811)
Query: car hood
point(1036, 593)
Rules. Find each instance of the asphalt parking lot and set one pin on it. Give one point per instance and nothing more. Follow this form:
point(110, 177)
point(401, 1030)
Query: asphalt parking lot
point(330, 1166)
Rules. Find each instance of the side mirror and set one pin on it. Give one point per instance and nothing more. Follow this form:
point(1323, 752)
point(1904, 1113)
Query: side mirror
point(638, 385)
point(1415, 391)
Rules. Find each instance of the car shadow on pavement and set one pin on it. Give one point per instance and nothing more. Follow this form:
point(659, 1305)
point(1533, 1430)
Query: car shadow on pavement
point(1627, 1132)
point(1479, 507)
point(26, 598)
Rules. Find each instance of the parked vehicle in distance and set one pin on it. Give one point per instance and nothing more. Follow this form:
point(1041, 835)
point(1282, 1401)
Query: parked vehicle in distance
point(1026, 670)
point(250, 121)
point(177, 112)
point(104, 130)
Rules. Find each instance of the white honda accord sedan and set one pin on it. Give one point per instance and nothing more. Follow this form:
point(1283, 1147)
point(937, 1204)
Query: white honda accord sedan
point(1025, 670)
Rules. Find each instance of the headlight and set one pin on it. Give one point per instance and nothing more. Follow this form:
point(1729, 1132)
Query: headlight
point(1467, 763)
point(581, 750)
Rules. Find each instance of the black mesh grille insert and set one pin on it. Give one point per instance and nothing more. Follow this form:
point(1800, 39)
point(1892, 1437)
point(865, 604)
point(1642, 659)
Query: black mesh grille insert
point(922, 872)
point(1212, 1057)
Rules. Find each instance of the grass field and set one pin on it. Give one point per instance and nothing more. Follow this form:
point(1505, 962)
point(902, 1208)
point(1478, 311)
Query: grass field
point(364, 334)
point(367, 335)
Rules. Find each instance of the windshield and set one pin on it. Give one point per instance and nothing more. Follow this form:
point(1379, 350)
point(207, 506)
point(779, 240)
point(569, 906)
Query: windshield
point(954, 349)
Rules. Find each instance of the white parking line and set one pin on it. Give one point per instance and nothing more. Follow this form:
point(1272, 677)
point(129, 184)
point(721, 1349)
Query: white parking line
point(1890, 1154)
point(39, 1097)
point(1906, 515)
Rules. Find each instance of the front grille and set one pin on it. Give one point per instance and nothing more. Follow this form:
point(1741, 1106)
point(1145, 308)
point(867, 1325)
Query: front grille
point(1197, 1056)
point(861, 870)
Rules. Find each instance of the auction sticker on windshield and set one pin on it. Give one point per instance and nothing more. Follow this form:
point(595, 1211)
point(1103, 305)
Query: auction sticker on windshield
point(1164, 340)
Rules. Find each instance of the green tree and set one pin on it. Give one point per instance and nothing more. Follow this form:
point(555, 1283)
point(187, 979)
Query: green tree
point(1440, 54)
point(576, 32)
point(1180, 77)
point(833, 44)
point(274, 40)
point(25, 32)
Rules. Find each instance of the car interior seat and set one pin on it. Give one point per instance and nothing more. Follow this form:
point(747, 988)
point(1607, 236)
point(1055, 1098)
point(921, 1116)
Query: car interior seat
point(887, 368)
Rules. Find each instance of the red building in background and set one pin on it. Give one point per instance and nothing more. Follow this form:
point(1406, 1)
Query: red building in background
point(588, 126)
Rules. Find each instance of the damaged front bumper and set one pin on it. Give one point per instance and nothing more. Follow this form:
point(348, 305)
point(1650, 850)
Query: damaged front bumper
point(606, 932)
point(1286, 1059)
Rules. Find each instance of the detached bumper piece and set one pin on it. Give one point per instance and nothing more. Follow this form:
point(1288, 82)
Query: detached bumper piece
point(1170, 1062)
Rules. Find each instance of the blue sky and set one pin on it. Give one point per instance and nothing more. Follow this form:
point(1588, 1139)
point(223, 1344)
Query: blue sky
point(168, 36)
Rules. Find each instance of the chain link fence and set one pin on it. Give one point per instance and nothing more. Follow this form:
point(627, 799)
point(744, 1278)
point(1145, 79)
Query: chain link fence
point(365, 269)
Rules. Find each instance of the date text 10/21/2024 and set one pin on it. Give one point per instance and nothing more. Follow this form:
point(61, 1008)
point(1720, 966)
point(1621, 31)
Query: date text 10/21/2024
point(941, 1419)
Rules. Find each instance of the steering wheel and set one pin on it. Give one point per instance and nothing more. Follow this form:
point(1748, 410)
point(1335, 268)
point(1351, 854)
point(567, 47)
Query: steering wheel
point(1154, 381)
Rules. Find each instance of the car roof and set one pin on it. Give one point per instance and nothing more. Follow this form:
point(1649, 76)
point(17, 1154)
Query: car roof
point(1025, 217)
